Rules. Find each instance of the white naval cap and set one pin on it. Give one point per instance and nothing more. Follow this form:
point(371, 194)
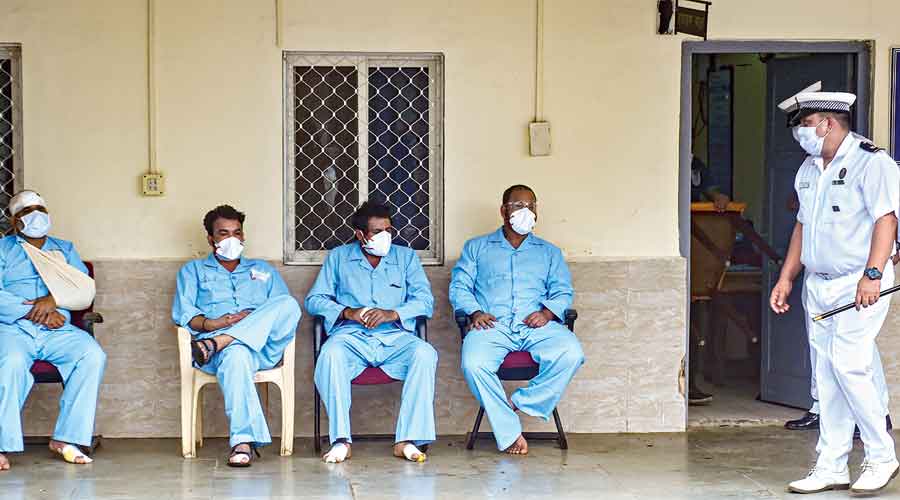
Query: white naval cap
point(812, 100)
point(25, 199)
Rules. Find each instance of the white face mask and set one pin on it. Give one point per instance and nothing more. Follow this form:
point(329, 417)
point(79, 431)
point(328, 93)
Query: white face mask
point(809, 140)
point(522, 221)
point(379, 245)
point(37, 224)
point(230, 248)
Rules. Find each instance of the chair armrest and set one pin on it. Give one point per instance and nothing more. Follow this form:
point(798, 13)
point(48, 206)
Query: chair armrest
point(570, 316)
point(185, 360)
point(319, 335)
point(462, 322)
point(93, 317)
point(90, 319)
point(422, 328)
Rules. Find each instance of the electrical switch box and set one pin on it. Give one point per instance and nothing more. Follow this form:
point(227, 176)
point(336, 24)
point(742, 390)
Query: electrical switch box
point(152, 185)
point(539, 135)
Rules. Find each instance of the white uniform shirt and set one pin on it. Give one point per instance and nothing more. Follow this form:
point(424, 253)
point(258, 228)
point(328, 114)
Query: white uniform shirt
point(840, 204)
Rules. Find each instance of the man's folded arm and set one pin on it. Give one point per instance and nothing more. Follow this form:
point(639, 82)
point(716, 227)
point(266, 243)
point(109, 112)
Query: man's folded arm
point(322, 297)
point(419, 300)
point(277, 285)
point(184, 306)
point(559, 286)
point(12, 306)
point(462, 281)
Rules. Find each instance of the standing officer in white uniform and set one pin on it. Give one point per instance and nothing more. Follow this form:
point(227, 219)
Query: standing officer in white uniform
point(849, 192)
point(810, 420)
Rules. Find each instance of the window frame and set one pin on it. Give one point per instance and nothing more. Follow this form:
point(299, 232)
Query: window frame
point(13, 52)
point(435, 62)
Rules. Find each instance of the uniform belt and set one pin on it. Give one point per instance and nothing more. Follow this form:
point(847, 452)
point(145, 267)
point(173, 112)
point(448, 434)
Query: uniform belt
point(827, 276)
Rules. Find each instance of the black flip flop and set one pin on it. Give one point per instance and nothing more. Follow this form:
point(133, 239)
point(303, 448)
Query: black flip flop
point(198, 353)
point(236, 453)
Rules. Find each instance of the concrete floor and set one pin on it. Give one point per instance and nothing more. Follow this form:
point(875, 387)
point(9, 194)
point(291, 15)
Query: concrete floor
point(702, 464)
point(735, 405)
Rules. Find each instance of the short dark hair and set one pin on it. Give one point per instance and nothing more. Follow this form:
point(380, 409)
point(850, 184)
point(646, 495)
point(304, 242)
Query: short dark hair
point(369, 210)
point(516, 187)
point(221, 212)
point(842, 118)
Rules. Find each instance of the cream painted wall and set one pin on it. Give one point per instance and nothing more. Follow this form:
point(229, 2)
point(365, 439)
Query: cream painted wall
point(612, 95)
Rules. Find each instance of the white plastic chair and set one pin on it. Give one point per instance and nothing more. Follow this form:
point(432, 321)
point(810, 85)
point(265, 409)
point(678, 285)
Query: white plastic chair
point(193, 379)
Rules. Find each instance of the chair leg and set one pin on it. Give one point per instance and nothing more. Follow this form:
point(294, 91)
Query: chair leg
point(470, 442)
point(198, 432)
point(195, 415)
point(187, 419)
point(563, 442)
point(95, 443)
point(287, 418)
point(317, 422)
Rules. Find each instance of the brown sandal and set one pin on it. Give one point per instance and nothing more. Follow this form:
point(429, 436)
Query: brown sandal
point(201, 352)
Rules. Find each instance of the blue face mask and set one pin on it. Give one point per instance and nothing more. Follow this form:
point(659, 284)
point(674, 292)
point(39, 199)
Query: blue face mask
point(36, 224)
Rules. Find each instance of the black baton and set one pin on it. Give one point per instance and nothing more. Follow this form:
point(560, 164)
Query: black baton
point(852, 305)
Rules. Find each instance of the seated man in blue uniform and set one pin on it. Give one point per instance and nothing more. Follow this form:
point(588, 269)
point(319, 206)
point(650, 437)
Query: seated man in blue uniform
point(33, 327)
point(370, 293)
point(515, 287)
point(242, 317)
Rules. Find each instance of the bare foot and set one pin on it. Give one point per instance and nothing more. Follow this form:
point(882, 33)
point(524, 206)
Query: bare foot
point(413, 454)
point(222, 341)
point(519, 447)
point(4, 462)
point(74, 457)
point(339, 452)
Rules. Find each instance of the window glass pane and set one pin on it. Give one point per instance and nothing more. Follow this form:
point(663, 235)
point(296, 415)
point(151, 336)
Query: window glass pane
point(326, 155)
point(398, 149)
point(7, 144)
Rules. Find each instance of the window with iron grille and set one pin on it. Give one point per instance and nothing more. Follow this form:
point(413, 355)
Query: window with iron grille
point(362, 127)
point(10, 130)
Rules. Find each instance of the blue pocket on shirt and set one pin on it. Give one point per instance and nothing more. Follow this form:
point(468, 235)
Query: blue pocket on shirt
point(395, 294)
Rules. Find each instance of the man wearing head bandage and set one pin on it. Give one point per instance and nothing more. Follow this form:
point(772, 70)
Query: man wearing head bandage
point(849, 192)
point(35, 325)
point(242, 317)
point(370, 293)
point(515, 288)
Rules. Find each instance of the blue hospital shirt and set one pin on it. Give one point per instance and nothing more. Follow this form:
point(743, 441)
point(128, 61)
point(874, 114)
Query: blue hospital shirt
point(348, 280)
point(20, 281)
point(205, 287)
point(493, 277)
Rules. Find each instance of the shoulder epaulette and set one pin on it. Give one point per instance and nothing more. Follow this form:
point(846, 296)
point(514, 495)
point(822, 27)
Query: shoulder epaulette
point(869, 147)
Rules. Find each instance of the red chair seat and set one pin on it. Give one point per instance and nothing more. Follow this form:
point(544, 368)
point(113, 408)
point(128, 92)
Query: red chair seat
point(45, 372)
point(518, 359)
point(373, 376)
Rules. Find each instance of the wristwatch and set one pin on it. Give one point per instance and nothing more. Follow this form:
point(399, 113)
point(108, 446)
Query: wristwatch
point(873, 273)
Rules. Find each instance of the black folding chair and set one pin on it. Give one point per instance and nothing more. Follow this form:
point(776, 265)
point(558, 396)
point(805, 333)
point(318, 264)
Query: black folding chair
point(518, 365)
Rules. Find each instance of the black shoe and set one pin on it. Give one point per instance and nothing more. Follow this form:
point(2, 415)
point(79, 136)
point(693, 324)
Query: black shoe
point(808, 422)
point(698, 397)
point(887, 421)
